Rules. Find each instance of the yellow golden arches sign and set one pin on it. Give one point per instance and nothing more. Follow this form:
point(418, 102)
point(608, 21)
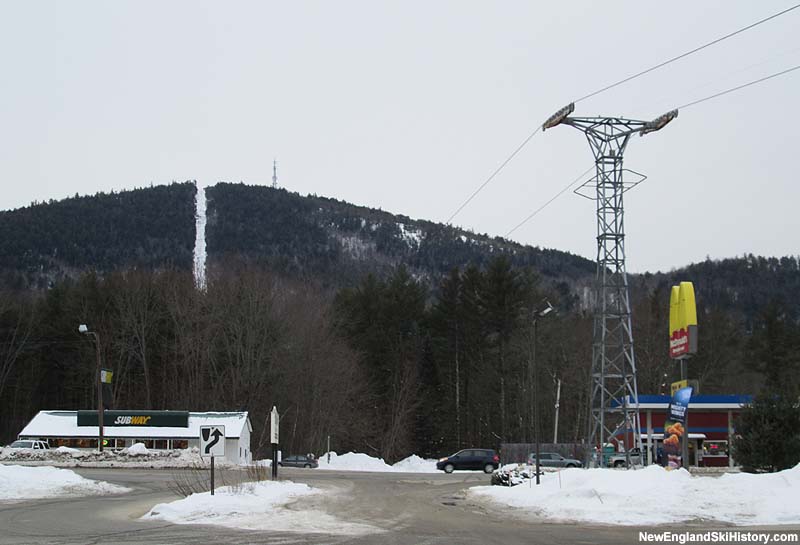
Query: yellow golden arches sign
point(682, 321)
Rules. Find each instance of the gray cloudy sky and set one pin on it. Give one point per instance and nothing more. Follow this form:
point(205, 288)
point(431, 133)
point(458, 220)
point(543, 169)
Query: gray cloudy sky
point(410, 106)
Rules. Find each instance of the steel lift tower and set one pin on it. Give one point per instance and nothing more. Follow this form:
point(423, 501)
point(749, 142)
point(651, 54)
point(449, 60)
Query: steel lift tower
point(614, 406)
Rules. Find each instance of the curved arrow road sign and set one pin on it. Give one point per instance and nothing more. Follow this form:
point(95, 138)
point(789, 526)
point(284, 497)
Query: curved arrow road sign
point(212, 441)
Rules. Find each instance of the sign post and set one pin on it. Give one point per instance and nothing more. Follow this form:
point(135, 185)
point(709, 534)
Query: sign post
point(274, 429)
point(683, 343)
point(212, 443)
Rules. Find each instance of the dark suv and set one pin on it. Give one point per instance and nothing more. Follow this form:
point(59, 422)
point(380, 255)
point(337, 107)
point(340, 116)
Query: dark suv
point(470, 458)
point(298, 460)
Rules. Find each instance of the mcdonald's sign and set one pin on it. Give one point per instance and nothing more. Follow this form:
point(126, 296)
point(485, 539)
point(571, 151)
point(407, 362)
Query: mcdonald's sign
point(682, 321)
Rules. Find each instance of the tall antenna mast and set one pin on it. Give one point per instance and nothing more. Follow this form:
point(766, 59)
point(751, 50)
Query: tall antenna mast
point(274, 174)
point(614, 406)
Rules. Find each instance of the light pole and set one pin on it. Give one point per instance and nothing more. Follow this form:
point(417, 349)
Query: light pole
point(558, 402)
point(540, 314)
point(85, 330)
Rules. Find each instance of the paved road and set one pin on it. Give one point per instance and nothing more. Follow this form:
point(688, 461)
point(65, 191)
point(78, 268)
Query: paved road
point(407, 509)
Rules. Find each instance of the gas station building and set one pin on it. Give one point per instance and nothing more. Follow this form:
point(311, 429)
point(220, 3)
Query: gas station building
point(710, 426)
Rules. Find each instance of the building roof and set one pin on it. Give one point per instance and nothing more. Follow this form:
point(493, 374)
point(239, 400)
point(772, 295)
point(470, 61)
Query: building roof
point(65, 424)
point(698, 402)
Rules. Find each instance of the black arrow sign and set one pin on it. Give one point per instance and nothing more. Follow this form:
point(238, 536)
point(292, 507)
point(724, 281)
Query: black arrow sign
point(216, 434)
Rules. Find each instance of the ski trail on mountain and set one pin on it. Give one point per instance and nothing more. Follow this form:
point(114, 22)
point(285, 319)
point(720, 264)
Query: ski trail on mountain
point(200, 237)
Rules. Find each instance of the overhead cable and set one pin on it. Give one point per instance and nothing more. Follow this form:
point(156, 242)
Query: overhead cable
point(693, 103)
point(495, 173)
point(732, 89)
point(557, 195)
point(686, 54)
point(625, 80)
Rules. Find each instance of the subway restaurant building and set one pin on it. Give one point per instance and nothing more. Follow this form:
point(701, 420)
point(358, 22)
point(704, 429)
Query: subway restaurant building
point(158, 430)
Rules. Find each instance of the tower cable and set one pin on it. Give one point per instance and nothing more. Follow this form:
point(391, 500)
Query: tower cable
point(557, 195)
point(738, 87)
point(495, 173)
point(618, 83)
point(686, 54)
point(693, 103)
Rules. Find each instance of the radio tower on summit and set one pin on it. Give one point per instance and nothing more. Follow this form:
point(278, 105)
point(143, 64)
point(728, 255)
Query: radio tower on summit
point(274, 174)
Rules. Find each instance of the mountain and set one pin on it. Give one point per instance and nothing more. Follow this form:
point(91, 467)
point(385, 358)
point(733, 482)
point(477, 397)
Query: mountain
point(331, 242)
point(144, 228)
point(334, 242)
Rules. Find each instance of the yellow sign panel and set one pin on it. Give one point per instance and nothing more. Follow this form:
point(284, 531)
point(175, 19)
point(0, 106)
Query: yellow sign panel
point(675, 386)
point(682, 321)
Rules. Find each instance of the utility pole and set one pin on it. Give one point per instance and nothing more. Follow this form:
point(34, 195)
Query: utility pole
point(274, 174)
point(614, 405)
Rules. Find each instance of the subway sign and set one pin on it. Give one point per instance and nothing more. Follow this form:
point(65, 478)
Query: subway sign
point(159, 419)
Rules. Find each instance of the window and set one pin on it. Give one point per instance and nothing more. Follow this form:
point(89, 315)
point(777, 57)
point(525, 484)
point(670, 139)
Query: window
point(180, 443)
point(715, 448)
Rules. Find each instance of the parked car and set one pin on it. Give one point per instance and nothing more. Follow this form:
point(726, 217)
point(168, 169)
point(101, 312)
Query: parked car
point(470, 458)
point(553, 459)
point(620, 460)
point(299, 460)
point(27, 443)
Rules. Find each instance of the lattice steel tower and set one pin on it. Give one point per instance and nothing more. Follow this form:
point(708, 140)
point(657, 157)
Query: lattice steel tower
point(614, 405)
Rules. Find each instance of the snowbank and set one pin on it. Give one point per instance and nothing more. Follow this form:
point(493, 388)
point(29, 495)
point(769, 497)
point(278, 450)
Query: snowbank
point(21, 483)
point(357, 461)
point(256, 506)
point(136, 449)
point(415, 464)
point(655, 496)
point(135, 456)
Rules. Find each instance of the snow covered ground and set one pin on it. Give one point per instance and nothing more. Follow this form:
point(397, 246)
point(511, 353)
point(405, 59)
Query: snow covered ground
point(265, 505)
point(22, 483)
point(136, 455)
point(356, 461)
point(655, 496)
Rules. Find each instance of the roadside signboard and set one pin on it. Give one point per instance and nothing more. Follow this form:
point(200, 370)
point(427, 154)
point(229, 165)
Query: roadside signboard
point(212, 441)
point(675, 428)
point(274, 432)
point(274, 427)
point(675, 386)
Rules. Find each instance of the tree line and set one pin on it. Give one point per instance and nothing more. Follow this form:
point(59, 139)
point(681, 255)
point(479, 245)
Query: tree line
point(391, 366)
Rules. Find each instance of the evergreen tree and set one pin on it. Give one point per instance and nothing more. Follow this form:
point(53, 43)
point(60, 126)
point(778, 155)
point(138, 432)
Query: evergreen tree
point(768, 434)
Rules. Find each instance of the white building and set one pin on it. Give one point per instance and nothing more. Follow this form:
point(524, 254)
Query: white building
point(158, 430)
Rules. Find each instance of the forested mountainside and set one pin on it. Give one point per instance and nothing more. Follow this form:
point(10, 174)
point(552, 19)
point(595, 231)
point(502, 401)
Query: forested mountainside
point(340, 242)
point(44, 242)
point(333, 242)
point(742, 286)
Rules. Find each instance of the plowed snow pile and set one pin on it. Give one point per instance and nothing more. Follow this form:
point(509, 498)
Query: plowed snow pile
point(23, 483)
point(257, 506)
point(655, 496)
point(358, 461)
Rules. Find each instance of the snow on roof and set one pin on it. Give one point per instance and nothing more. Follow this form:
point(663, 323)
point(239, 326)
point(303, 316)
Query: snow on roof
point(65, 424)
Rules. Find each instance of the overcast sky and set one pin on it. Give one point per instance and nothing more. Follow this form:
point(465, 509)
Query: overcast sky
point(410, 106)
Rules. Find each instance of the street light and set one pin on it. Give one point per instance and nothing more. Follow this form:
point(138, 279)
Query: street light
point(540, 314)
point(85, 331)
